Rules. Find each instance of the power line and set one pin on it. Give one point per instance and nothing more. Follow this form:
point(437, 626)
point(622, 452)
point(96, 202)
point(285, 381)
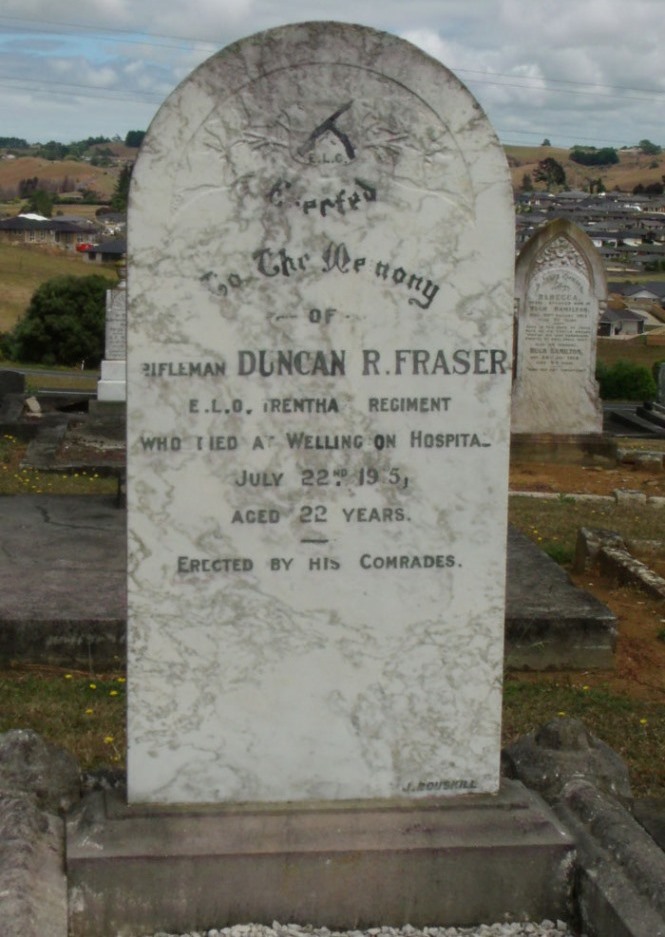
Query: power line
point(524, 84)
point(110, 35)
point(87, 91)
point(176, 41)
point(558, 81)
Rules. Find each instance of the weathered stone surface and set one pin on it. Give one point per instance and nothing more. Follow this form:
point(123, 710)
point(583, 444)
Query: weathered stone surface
point(621, 870)
point(112, 385)
point(650, 813)
point(629, 496)
point(31, 765)
point(590, 541)
point(550, 623)
point(560, 286)
point(459, 860)
point(321, 238)
point(11, 382)
point(546, 760)
point(33, 888)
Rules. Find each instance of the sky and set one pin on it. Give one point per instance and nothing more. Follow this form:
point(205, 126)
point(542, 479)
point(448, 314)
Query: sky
point(588, 72)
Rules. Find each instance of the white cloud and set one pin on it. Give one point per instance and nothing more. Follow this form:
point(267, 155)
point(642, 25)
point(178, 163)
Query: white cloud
point(538, 67)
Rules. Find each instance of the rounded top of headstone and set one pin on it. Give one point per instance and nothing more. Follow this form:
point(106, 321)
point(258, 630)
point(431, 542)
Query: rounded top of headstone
point(325, 42)
point(563, 244)
point(322, 98)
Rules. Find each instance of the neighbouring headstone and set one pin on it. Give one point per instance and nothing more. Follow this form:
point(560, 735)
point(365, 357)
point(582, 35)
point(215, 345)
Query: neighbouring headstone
point(661, 384)
point(320, 316)
point(11, 382)
point(112, 385)
point(560, 291)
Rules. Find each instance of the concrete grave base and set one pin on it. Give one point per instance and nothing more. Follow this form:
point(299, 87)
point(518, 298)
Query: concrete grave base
point(557, 627)
point(112, 385)
point(455, 861)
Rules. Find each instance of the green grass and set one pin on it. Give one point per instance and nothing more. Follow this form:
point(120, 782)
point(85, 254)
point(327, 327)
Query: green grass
point(553, 524)
point(54, 377)
point(24, 268)
point(84, 713)
point(635, 729)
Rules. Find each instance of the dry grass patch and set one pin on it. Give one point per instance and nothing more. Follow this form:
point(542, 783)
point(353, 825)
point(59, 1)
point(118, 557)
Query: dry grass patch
point(24, 268)
point(633, 350)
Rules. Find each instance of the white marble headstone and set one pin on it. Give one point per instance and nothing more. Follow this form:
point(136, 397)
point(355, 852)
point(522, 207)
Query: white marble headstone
point(661, 384)
point(320, 330)
point(560, 291)
point(113, 378)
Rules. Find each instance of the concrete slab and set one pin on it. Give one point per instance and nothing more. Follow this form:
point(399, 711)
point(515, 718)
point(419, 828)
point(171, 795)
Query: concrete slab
point(345, 865)
point(63, 592)
point(62, 580)
point(550, 623)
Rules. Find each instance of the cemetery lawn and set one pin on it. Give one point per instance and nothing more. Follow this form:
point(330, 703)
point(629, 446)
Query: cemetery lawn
point(624, 707)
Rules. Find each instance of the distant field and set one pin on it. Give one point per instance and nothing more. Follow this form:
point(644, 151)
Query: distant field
point(633, 168)
point(23, 269)
point(634, 351)
point(81, 174)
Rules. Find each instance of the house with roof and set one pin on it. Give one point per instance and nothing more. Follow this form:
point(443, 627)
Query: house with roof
point(61, 232)
point(622, 323)
point(108, 251)
point(650, 292)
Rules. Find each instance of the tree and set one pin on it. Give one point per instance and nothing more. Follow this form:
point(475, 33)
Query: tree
point(63, 324)
point(550, 172)
point(41, 202)
point(625, 381)
point(596, 185)
point(134, 138)
point(53, 150)
point(527, 182)
point(590, 156)
point(546, 142)
point(651, 149)
point(121, 191)
point(26, 187)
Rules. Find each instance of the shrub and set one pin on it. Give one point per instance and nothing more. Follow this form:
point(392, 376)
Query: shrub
point(63, 324)
point(625, 381)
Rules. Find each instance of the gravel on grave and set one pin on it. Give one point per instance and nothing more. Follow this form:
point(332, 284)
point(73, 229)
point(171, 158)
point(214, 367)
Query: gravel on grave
point(522, 929)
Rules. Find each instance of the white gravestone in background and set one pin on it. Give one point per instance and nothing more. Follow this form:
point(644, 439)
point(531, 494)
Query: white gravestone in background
point(113, 378)
point(661, 384)
point(560, 290)
point(320, 314)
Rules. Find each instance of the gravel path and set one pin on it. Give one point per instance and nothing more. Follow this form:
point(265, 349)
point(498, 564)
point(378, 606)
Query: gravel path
point(544, 929)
